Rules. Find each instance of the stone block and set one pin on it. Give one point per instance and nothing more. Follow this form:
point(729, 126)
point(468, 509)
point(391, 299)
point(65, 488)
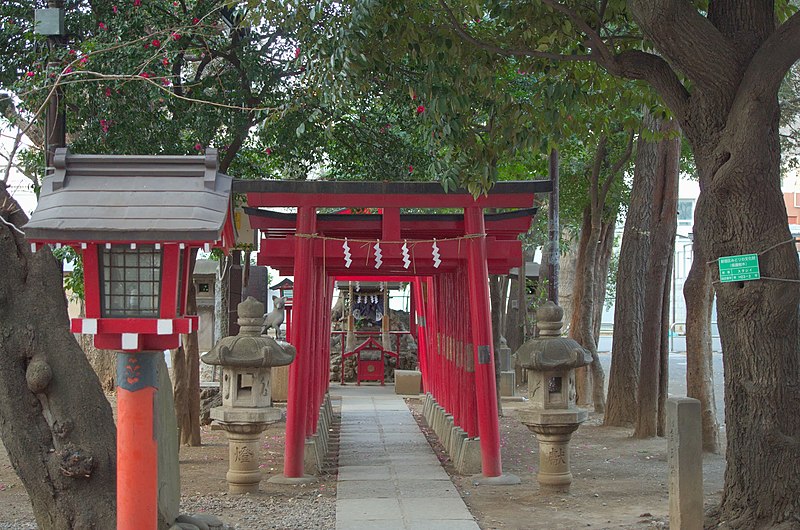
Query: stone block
point(469, 458)
point(508, 383)
point(313, 456)
point(447, 429)
point(457, 437)
point(407, 382)
point(685, 463)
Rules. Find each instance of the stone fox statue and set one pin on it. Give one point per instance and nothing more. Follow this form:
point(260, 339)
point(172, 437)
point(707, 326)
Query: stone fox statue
point(275, 318)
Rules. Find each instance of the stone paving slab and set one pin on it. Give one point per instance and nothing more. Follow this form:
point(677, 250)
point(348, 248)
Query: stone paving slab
point(389, 477)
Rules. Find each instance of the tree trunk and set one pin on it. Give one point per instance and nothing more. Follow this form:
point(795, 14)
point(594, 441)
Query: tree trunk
point(663, 227)
point(221, 300)
point(186, 376)
point(497, 285)
point(103, 362)
point(741, 210)
point(663, 381)
point(55, 422)
point(576, 331)
point(623, 379)
point(605, 250)
point(699, 295)
point(589, 381)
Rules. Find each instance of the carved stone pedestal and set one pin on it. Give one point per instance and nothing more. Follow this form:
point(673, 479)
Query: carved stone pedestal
point(243, 475)
point(553, 431)
point(243, 427)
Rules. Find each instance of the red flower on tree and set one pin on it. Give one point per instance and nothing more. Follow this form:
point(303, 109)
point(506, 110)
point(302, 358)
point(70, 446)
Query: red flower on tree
point(198, 146)
point(102, 26)
point(156, 43)
point(420, 109)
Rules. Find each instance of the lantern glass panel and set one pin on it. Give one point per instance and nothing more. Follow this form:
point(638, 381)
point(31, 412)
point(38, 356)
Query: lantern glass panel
point(130, 281)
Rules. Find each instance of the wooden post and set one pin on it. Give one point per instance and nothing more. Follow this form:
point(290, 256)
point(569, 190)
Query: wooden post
point(137, 448)
point(483, 345)
point(299, 370)
point(685, 461)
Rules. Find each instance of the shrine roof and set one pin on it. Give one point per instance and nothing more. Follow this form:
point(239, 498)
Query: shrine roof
point(132, 198)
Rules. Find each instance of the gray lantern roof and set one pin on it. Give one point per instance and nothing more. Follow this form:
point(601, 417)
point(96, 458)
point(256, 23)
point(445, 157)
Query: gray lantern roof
point(132, 198)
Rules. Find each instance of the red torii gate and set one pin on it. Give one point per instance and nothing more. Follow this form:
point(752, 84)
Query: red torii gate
point(456, 355)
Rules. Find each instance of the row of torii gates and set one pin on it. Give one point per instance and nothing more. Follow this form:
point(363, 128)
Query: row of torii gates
point(446, 258)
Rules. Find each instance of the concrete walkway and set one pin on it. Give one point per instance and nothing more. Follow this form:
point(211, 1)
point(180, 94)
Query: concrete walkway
point(389, 477)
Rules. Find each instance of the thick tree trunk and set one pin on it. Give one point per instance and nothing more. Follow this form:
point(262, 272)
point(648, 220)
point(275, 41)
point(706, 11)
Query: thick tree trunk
point(623, 379)
point(699, 295)
point(740, 211)
point(55, 421)
point(663, 227)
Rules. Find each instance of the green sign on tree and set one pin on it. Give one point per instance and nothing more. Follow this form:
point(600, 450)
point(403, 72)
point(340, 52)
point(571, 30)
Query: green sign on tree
point(739, 268)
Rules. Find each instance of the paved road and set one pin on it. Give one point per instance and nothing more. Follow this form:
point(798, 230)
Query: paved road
point(677, 378)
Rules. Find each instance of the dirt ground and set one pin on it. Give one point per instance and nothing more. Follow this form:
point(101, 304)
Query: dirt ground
point(618, 482)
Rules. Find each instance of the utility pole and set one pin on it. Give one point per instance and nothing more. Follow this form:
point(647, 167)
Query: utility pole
point(50, 22)
point(554, 231)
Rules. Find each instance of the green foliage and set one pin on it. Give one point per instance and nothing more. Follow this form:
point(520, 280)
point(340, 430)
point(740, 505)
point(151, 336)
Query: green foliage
point(73, 282)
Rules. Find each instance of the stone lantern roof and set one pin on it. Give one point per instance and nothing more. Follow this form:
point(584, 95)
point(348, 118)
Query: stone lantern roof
point(250, 349)
point(551, 351)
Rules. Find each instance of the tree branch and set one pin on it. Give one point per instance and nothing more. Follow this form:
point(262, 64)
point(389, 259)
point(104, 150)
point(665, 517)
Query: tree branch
point(599, 156)
point(511, 51)
point(617, 167)
point(636, 64)
point(773, 60)
point(10, 112)
point(691, 42)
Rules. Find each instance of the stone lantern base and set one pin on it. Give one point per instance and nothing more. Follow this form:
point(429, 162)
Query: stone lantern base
point(243, 428)
point(553, 429)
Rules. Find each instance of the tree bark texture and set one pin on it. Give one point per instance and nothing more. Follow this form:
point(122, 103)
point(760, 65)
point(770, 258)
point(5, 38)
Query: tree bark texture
point(662, 229)
point(186, 376)
point(55, 421)
point(623, 379)
point(699, 295)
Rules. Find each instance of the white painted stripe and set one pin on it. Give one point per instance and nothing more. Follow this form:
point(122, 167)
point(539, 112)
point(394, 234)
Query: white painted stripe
point(130, 341)
point(33, 247)
point(164, 326)
point(133, 246)
point(158, 246)
point(83, 246)
point(89, 326)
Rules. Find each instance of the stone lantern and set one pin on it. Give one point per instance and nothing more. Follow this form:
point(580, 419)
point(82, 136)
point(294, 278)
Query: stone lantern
point(550, 361)
point(246, 360)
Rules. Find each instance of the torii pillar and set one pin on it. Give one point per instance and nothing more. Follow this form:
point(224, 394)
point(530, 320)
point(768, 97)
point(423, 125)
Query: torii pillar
point(483, 348)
